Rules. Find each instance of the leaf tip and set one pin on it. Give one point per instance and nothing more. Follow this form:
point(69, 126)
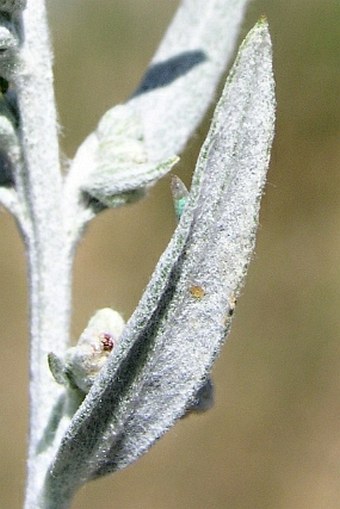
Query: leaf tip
point(263, 20)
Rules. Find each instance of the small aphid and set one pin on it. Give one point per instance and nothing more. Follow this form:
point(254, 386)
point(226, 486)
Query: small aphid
point(107, 341)
point(197, 292)
point(179, 195)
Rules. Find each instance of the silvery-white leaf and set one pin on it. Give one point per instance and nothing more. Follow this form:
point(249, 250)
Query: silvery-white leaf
point(168, 346)
point(120, 170)
point(171, 100)
point(82, 363)
point(95, 345)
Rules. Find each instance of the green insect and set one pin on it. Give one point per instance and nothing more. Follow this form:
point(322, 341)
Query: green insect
point(179, 195)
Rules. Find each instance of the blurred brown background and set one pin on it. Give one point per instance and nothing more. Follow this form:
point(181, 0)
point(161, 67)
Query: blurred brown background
point(272, 440)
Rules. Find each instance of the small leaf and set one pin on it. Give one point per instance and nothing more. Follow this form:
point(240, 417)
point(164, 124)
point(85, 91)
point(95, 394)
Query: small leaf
point(84, 361)
point(120, 171)
point(57, 368)
point(168, 346)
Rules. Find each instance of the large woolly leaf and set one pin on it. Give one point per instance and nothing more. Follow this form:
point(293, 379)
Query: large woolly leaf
point(170, 342)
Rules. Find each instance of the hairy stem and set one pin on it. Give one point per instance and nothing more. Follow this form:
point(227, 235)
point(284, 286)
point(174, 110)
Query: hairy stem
point(39, 187)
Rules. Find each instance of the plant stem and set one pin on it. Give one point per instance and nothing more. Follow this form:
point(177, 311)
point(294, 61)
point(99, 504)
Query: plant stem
point(39, 187)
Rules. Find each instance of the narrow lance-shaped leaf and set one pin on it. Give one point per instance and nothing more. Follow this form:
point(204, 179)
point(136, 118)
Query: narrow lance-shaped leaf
point(165, 110)
point(168, 347)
